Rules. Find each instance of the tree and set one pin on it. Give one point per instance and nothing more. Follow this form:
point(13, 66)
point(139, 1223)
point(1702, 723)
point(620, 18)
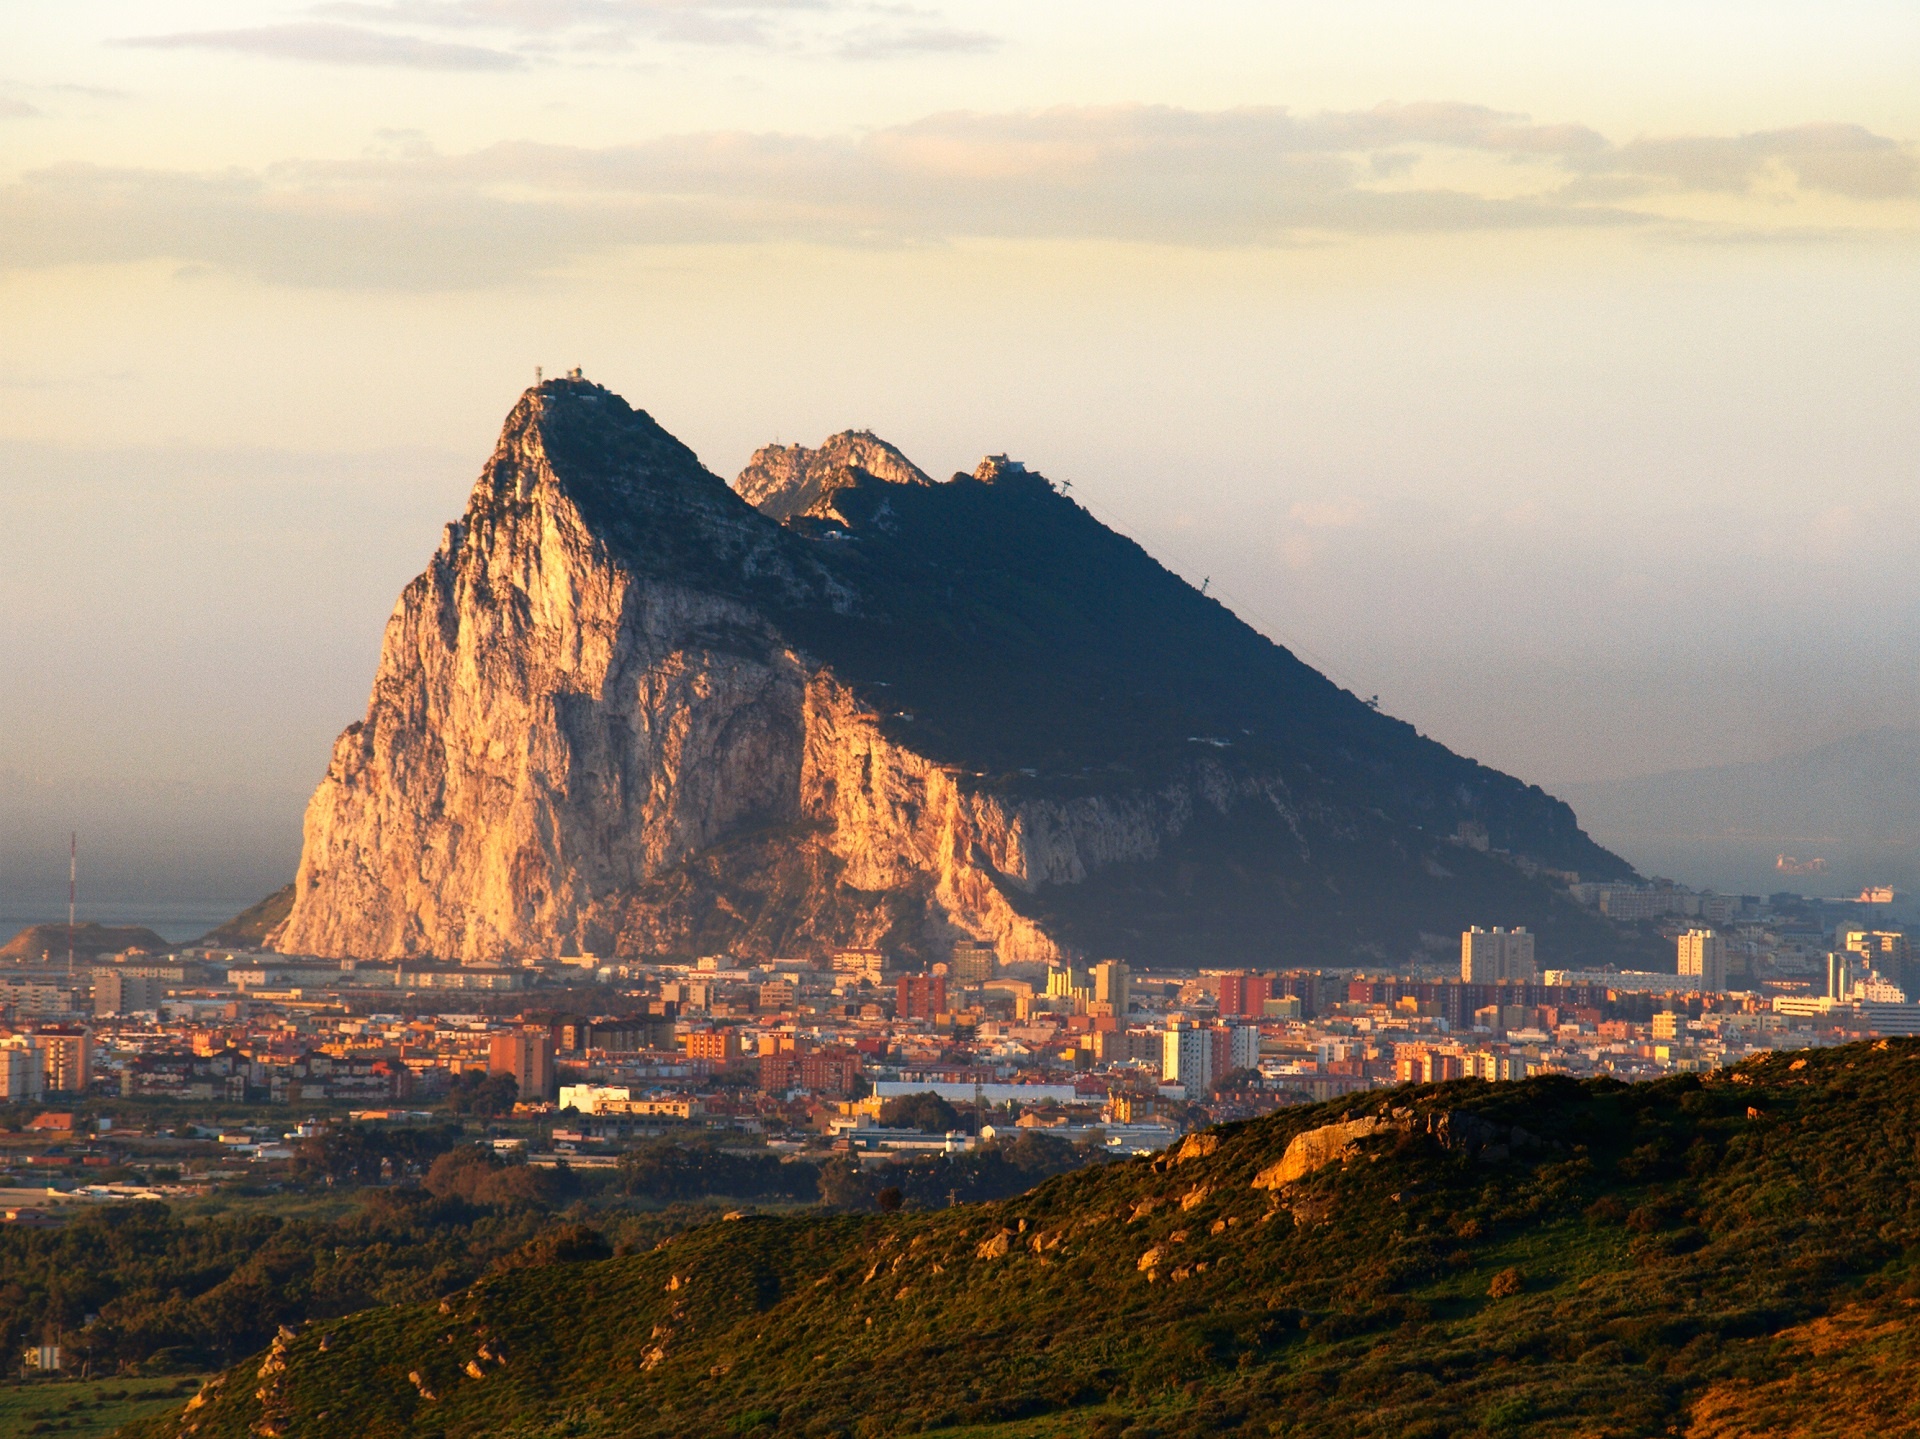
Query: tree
point(925, 1111)
point(484, 1095)
point(479, 1176)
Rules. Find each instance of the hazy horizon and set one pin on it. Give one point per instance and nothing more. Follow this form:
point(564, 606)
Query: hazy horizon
point(1548, 376)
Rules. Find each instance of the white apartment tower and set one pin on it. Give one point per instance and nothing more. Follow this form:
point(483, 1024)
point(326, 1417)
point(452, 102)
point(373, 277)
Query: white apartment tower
point(1703, 957)
point(21, 1077)
point(1496, 956)
point(1188, 1059)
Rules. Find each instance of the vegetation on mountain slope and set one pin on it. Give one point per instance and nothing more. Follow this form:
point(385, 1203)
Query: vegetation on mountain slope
point(147, 1286)
point(254, 925)
point(1724, 1254)
point(89, 940)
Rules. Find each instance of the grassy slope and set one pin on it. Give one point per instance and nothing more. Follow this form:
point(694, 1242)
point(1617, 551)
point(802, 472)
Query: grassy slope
point(1678, 1249)
point(77, 1408)
point(249, 928)
point(89, 939)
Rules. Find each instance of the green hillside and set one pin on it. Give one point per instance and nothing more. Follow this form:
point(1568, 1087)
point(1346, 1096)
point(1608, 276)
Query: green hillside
point(249, 928)
point(1718, 1255)
point(88, 941)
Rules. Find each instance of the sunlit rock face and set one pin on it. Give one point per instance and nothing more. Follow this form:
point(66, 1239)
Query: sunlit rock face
point(628, 709)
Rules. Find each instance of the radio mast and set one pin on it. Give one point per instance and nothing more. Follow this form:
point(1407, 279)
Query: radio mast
point(73, 891)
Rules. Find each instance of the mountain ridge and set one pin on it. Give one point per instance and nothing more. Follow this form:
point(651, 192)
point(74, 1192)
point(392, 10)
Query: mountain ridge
point(1846, 809)
point(946, 710)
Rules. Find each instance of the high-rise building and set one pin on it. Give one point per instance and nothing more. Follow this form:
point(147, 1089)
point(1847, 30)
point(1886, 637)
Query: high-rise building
point(1113, 984)
point(920, 996)
point(115, 993)
point(66, 1060)
point(528, 1057)
point(1497, 956)
point(972, 962)
point(1243, 994)
point(1845, 969)
point(1235, 1046)
point(1187, 1059)
point(20, 1074)
point(1703, 957)
point(1885, 950)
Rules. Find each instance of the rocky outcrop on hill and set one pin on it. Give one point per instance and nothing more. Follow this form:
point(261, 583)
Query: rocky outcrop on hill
point(625, 711)
point(785, 482)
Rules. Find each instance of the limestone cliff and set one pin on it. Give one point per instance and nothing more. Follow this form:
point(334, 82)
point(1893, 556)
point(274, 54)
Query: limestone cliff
point(787, 481)
point(624, 711)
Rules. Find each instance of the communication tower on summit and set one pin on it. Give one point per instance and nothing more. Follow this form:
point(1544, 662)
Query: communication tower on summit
point(73, 891)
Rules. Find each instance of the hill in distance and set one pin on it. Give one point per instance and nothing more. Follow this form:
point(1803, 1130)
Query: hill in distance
point(254, 926)
point(1846, 813)
point(1719, 1255)
point(90, 941)
point(624, 710)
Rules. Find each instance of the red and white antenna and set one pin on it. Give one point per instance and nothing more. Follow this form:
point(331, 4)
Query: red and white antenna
point(73, 891)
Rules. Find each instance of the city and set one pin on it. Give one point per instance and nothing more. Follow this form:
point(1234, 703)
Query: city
point(802, 1058)
point(979, 721)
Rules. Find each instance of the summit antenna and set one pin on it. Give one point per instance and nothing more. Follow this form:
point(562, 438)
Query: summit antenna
point(73, 891)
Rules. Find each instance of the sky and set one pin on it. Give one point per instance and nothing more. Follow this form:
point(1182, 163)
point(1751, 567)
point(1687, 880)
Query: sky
point(1546, 371)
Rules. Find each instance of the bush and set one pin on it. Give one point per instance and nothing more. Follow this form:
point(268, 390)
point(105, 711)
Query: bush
point(567, 1244)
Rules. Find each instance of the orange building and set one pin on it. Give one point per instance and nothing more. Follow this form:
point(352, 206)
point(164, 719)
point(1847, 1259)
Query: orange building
point(720, 1046)
point(528, 1056)
point(920, 996)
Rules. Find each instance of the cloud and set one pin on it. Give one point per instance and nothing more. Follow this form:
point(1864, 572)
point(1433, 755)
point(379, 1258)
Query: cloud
point(550, 16)
point(889, 42)
point(15, 109)
point(591, 24)
point(411, 217)
point(1844, 160)
point(328, 43)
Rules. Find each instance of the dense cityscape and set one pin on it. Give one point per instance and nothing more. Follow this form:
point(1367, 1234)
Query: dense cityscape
point(155, 1068)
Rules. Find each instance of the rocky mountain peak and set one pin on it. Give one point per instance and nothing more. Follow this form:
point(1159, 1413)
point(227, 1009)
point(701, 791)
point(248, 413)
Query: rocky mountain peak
point(575, 459)
point(784, 482)
point(999, 470)
point(590, 443)
point(626, 710)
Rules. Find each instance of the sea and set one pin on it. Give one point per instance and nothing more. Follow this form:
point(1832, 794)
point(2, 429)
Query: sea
point(174, 920)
